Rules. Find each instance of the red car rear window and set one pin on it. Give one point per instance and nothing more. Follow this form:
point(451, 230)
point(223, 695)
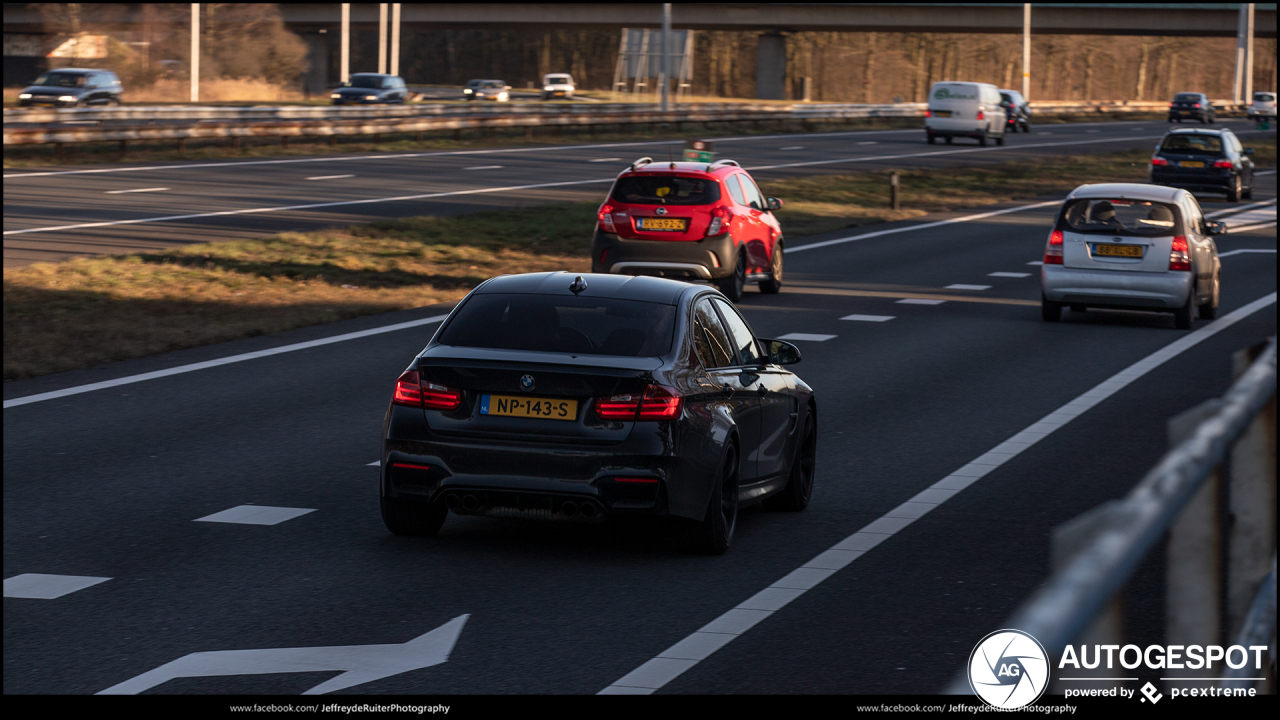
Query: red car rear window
point(665, 190)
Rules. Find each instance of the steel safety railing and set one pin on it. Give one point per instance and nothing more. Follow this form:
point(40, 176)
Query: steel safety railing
point(1223, 448)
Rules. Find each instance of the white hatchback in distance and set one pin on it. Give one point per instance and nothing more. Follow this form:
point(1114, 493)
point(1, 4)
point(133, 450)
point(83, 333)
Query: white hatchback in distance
point(1263, 107)
point(1132, 247)
point(964, 109)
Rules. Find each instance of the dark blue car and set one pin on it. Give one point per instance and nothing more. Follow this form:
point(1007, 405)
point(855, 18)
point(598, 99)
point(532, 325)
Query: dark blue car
point(72, 87)
point(1210, 161)
point(371, 89)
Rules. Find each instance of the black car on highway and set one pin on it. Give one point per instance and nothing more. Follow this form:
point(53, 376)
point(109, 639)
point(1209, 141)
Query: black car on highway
point(1211, 161)
point(579, 398)
point(72, 87)
point(1017, 111)
point(1191, 106)
point(371, 89)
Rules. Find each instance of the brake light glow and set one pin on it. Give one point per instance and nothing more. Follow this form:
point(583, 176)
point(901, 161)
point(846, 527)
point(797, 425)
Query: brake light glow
point(1180, 254)
point(719, 214)
point(606, 218)
point(413, 392)
point(656, 403)
point(981, 115)
point(1159, 162)
point(407, 390)
point(1053, 250)
point(650, 481)
point(1196, 105)
point(1223, 164)
point(928, 113)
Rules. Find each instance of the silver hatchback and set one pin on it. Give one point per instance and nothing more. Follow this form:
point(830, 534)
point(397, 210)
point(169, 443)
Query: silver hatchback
point(1133, 247)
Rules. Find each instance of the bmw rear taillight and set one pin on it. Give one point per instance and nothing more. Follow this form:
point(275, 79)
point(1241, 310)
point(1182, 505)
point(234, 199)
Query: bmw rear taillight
point(656, 403)
point(1196, 105)
point(1179, 254)
point(1159, 162)
point(1223, 164)
point(606, 218)
point(719, 214)
point(413, 392)
point(1053, 249)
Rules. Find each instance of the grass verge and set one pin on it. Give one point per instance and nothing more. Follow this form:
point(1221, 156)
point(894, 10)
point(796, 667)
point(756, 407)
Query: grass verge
point(90, 311)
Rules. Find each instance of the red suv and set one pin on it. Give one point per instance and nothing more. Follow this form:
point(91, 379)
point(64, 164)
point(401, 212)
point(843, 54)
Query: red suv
point(690, 221)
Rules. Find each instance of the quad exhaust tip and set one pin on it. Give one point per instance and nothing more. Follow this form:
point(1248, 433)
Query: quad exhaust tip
point(470, 503)
point(451, 501)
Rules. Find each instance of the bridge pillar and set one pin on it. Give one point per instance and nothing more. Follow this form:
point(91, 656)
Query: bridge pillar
point(771, 67)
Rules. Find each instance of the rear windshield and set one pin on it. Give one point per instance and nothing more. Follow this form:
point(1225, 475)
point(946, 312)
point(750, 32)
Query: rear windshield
point(1121, 217)
point(1187, 97)
point(67, 80)
point(1264, 97)
point(666, 190)
point(1193, 144)
point(563, 324)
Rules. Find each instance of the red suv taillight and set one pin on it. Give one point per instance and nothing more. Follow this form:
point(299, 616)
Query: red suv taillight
point(1053, 250)
point(412, 392)
point(719, 214)
point(656, 403)
point(606, 218)
point(1159, 162)
point(1223, 164)
point(1179, 254)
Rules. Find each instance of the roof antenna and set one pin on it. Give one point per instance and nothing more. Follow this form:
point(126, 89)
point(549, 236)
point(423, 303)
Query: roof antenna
point(578, 285)
point(671, 157)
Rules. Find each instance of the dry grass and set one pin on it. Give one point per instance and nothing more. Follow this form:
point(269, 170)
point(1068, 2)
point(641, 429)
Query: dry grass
point(90, 311)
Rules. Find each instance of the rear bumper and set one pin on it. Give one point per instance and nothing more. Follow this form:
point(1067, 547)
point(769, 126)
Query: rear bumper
point(1207, 183)
point(707, 259)
point(1116, 288)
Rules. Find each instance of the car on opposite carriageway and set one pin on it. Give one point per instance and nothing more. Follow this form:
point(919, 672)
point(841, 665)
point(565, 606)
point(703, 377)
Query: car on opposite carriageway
point(550, 396)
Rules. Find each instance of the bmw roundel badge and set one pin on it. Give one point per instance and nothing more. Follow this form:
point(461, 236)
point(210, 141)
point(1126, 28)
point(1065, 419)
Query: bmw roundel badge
point(526, 383)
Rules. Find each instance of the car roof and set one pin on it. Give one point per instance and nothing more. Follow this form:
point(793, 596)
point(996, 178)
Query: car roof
point(679, 166)
point(1127, 191)
point(1197, 131)
point(621, 287)
point(373, 75)
point(77, 71)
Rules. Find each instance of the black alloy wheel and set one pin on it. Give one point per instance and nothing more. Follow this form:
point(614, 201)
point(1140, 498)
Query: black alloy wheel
point(1182, 316)
point(1050, 311)
point(714, 534)
point(799, 489)
point(412, 517)
point(734, 285)
point(774, 284)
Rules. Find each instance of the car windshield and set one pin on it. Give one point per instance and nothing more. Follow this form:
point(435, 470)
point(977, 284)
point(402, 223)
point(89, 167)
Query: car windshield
point(475, 83)
point(67, 80)
point(1187, 97)
point(557, 79)
point(666, 190)
point(1193, 144)
point(371, 82)
point(559, 323)
point(1263, 97)
point(1121, 217)
point(496, 84)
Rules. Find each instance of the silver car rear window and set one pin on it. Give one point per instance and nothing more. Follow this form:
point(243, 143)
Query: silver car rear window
point(1143, 218)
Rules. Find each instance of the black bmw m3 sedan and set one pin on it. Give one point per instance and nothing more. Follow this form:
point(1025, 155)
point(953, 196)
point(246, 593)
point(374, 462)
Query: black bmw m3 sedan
point(579, 398)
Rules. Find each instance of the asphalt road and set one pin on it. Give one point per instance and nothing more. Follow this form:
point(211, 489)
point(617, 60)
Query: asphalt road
point(57, 214)
point(111, 483)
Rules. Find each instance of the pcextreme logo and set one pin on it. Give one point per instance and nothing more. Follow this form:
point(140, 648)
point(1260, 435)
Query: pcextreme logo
point(1009, 669)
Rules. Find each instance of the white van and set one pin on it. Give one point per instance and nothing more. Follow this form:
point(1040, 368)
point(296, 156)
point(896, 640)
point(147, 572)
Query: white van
point(557, 85)
point(964, 109)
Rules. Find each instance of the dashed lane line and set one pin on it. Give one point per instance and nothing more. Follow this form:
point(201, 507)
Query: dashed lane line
point(869, 318)
point(962, 286)
point(910, 298)
point(701, 644)
point(920, 301)
point(255, 515)
point(1009, 274)
point(39, 586)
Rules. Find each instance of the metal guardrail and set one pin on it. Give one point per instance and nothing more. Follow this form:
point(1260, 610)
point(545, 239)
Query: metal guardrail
point(1096, 553)
point(77, 125)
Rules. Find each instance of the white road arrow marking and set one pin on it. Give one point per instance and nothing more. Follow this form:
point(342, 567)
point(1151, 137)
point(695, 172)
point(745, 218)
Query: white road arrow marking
point(360, 663)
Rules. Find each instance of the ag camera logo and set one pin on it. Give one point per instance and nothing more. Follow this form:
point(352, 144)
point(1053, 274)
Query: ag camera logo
point(1009, 669)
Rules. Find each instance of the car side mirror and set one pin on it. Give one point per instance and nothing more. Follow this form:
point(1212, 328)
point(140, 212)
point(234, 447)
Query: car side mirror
point(1248, 151)
point(782, 352)
point(1217, 228)
point(773, 203)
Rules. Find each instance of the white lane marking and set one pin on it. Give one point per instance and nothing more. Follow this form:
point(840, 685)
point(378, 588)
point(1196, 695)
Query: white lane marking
point(1036, 262)
point(375, 462)
point(869, 142)
point(330, 177)
point(796, 147)
point(1137, 129)
point(920, 301)
point(484, 167)
point(38, 586)
point(1009, 274)
point(1265, 172)
point(312, 206)
point(1248, 228)
point(1253, 217)
point(122, 192)
point(807, 337)
point(672, 662)
point(1244, 250)
point(359, 663)
point(1044, 133)
point(605, 160)
point(255, 515)
point(54, 394)
point(1241, 208)
point(869, 318)
point(925, 226)
point(961, 286)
